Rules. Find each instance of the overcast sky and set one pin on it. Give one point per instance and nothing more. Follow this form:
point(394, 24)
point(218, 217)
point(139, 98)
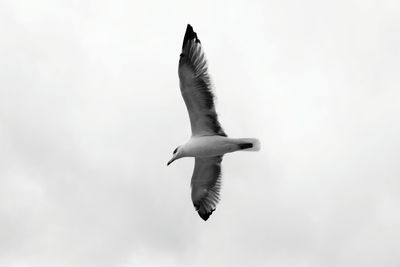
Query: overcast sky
point(90, 112)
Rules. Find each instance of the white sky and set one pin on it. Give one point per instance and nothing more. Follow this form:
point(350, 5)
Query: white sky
point(90, 112)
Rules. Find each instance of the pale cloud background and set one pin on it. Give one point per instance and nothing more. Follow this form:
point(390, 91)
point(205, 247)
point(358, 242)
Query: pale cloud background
point(90, 112)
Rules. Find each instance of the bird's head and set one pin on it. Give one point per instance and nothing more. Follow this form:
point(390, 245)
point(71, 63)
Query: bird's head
point(178, 153)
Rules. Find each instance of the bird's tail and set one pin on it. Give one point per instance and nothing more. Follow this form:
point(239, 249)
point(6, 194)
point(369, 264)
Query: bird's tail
point(248, 144)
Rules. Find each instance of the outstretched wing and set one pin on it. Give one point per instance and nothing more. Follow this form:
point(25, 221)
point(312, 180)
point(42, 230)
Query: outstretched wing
point(206, 184)
point(195, 87)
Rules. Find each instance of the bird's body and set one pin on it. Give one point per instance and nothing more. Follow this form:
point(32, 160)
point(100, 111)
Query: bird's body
point(209, 141)
point(213, 145)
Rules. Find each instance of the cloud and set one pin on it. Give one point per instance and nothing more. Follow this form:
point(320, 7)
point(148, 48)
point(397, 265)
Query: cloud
point(90, 112)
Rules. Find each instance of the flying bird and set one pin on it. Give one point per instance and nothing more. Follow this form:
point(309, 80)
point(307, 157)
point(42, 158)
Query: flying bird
point(209, 141)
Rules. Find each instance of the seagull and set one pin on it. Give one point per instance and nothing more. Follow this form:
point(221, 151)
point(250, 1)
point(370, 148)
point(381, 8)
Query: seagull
point(209, 141)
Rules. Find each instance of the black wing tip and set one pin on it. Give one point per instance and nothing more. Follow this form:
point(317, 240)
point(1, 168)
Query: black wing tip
point(205, 215)
point(189, 35)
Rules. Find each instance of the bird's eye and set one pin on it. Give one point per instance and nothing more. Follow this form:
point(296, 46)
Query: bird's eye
point(176, 149)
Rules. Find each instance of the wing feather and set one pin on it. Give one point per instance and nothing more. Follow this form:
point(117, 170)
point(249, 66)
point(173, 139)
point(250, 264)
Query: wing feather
point(206, 185)
point(196, 87)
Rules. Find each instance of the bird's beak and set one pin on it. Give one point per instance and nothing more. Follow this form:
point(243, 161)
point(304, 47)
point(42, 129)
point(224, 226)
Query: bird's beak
point(169, 162)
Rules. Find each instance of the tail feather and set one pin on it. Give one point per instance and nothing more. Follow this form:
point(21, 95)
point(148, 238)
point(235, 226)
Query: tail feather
point(249, 144)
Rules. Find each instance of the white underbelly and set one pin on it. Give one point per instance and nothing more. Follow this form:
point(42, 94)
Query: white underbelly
point(208, 146)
